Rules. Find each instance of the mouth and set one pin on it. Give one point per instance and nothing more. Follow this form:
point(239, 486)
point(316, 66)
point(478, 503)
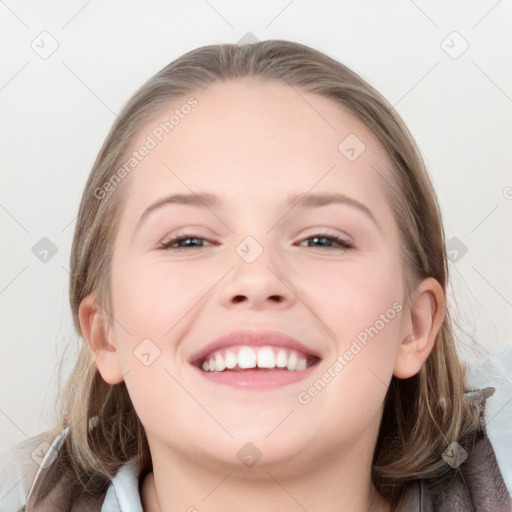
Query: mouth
point(255, 360)
point(265, 358)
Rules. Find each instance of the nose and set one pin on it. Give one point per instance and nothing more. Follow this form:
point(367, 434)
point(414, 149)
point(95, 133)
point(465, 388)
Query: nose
point(258, 283)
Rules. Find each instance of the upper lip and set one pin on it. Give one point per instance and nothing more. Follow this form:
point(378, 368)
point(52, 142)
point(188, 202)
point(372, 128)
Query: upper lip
point(253, 338)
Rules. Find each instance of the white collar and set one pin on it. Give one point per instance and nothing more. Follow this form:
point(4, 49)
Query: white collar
point(123, 492)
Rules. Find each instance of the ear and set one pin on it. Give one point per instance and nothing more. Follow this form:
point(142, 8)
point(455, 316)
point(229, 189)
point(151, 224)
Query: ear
point(95, 333)
point(422, 321)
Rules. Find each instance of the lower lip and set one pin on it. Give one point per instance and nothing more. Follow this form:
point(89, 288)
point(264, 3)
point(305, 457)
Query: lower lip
point(257, 379)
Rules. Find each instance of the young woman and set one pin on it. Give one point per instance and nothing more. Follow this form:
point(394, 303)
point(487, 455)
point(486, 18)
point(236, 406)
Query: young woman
point(259, 275)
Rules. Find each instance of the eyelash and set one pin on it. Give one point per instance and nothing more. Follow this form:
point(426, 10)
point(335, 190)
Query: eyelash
point(344, 245)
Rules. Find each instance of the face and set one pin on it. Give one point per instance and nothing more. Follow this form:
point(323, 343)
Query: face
point(327, 275)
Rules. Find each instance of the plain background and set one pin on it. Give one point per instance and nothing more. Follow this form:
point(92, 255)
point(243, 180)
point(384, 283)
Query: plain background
point(68, 67)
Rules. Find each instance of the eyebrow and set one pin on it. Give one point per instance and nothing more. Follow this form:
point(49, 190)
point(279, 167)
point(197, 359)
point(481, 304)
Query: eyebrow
point(303, 200)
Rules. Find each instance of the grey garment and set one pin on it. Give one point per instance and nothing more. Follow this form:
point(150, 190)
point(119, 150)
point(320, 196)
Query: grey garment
point(474, 485)
point(31, 481)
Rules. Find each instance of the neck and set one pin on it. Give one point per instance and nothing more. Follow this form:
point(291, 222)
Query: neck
point(340, 480)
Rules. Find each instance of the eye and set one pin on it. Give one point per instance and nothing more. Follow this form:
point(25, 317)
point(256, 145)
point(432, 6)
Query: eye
point(340, 241)
point(194, 241)
point(182, 238)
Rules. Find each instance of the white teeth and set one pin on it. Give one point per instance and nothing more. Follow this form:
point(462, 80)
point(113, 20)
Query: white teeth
point(292, 362)
point(281, 359)
point(219, 363)
point(266, 358)
point(246, 358)
point(230, 358)
point(252, 357)
point(302, 364)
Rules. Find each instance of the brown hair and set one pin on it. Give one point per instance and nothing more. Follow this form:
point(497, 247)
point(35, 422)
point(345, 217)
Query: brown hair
point(422, 414)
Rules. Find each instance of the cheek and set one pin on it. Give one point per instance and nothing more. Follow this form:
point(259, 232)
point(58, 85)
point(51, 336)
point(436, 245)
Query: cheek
point(361, 307)
point(352, 295)
point(148, 303)
point(151, 299)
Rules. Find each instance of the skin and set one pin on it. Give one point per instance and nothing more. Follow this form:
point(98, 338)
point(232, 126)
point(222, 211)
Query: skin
point(253, 143)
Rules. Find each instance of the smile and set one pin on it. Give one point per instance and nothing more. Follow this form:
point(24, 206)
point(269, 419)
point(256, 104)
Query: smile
point(255, 359)
point(244, 358)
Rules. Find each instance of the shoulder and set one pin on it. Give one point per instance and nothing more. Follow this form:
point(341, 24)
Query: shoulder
point(19, 465)
point(34, 478)
point(472, 480)
point(496, 371)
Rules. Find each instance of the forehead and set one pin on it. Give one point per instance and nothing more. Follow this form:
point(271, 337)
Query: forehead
point(256, 139)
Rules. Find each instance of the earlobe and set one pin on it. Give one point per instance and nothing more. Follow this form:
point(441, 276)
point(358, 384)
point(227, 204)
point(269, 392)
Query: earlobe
point(426, 315)
point(95, 334)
